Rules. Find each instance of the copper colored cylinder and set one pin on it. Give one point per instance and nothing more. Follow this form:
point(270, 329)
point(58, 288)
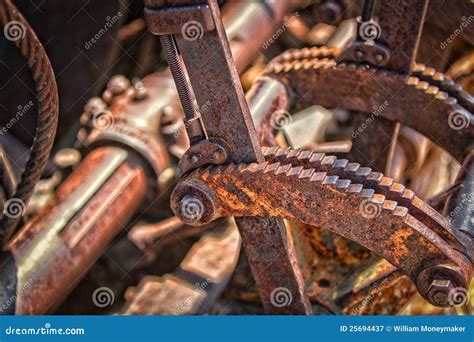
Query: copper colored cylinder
point(47, 258)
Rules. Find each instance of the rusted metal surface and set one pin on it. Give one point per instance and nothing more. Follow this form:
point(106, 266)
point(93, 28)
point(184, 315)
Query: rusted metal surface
point(379, 288)
point(401, 24)
point(314, 197)
point(88, 210)
point(191, 289)
point(394, 96)
point(270, 255)
point(205, 152)
point(459, 208)
point(375, 180)
point(95, 202)
point(48, 112)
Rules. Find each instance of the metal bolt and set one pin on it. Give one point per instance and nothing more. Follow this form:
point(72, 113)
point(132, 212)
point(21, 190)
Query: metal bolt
point(94, 105)
point(118, 84)
point(194, 158)
point(438, 292)
point(140, 91)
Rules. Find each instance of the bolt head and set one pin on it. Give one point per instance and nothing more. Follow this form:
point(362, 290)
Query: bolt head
point(438, 292)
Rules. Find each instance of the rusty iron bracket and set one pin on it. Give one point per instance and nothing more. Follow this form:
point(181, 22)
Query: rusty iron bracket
point(174, 20)
point(205, 152)
point(388, 42)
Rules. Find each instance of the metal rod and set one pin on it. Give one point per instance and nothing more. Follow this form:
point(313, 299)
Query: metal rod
point(191, 115)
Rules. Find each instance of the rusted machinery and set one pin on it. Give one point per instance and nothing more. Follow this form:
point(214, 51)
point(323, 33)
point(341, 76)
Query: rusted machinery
point(344, 172)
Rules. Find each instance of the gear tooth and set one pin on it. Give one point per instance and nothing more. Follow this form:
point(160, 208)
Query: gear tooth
point(412, 81)
point(432, 90)
point(244, 167)
point(389, 205)
point(282, 152)
point(367, 193)
point(324, 50)
point(257, 167)
point(407, 193)
point(418, 67)
point(400, 211)
point(352, 167)
point(268, 151)
point(429, 72)
point(439, 76)
point(397, 187)
point(441, 95)
point(278, 68)
point(386, 181)
point(375, 176)
point(308, 65)
point(283, 169)
point(355, 188)
point(314, 52)
point(306, 173)
point(422, 85)
point(271, 167)
point(377, 199)
point(304, 155)
point(330, 180)
point(292, 153)
point(328, 160)
point(343, 183)
point(294, 171)
point(340, 163)
point(364, 171)
point(316, 157)
point(318, 176)
point(287, 55)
